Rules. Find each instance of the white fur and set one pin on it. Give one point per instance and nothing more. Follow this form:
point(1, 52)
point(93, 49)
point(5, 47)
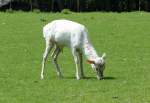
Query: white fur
point(65, 33)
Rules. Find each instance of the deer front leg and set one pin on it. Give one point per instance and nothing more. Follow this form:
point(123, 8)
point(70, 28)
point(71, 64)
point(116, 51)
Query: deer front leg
point(81, 64)
point(76, 59)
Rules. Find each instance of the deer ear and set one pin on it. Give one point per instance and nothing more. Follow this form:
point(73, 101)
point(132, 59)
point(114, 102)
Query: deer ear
point(104, 55)
point(90, 62)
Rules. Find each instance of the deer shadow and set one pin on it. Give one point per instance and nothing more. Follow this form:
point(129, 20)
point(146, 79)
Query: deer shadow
point(109, 78)
point(92, 78)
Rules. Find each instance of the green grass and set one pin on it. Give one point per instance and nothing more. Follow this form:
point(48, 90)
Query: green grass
point(125, 37)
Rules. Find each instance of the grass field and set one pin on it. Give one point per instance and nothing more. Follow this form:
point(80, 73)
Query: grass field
point(125, 37)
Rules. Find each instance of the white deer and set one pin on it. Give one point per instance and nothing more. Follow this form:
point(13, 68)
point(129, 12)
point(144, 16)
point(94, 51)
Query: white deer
point(65, 33)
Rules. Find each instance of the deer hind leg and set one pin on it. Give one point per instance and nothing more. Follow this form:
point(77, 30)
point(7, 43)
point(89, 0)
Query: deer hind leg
point(49, 46)
point(54, 56)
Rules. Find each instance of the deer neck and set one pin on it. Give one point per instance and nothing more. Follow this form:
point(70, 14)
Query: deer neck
point(89, 50)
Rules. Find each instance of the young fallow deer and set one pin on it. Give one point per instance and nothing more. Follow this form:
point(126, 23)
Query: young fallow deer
point(65, 33)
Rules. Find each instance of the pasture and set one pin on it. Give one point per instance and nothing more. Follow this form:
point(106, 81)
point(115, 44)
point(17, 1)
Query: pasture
point(125, 37)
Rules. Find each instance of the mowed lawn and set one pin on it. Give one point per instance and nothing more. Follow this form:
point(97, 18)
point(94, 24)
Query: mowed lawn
point(125, 37)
